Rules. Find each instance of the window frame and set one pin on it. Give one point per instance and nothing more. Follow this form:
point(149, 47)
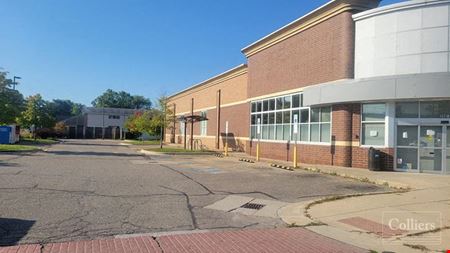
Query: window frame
point(283, 125)
point(374, 122)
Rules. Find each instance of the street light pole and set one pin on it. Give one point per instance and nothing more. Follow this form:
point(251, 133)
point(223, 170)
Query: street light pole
point(14, 81)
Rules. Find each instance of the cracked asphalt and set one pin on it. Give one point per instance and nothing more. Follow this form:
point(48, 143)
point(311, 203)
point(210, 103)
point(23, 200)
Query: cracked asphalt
point(85, 189)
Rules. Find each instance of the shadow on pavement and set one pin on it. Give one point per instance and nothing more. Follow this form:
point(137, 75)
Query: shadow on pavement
point(90, 153)
point(12, 230)
point(90, 144)
point(6, 164)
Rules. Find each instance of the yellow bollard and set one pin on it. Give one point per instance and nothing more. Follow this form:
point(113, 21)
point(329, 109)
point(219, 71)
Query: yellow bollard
point(226, 148)
point(295, 156)
point(257, 152)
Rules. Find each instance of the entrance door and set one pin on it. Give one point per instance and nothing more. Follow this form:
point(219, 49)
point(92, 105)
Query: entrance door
point(423, 148)
point(431, 148)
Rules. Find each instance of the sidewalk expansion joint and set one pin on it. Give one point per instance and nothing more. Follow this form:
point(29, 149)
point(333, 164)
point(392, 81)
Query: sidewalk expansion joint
point(158, 243)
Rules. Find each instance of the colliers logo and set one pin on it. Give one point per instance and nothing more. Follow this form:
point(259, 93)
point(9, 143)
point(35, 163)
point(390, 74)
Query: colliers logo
point(415, 228)
point(411, 224)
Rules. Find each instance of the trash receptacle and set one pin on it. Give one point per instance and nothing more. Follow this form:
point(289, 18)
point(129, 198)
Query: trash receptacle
point(374, 159)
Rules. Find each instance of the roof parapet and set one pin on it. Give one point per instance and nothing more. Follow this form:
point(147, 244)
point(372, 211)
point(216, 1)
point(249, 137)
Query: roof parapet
point(236, 71)
point(309, 20)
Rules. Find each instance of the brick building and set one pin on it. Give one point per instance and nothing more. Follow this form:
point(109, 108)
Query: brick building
point(343, 78)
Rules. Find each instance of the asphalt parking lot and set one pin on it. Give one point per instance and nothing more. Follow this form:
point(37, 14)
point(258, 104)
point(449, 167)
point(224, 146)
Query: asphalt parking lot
point(88, 189)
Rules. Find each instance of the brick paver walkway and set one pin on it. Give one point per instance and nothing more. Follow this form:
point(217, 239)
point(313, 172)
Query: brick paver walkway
point(265, 240)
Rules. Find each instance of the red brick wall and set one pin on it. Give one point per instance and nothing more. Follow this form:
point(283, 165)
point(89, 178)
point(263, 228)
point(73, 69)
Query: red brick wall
point(319, 54)
point(342, 132)
point(360, 157)
point(314, 154)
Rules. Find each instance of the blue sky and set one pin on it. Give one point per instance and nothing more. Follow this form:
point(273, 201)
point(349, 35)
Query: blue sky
point(76, 49)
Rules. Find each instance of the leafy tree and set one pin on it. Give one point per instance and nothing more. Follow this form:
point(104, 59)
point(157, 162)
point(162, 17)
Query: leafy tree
point(11, 101)
point(37, 112)
point(144, 123)
point(130, 123)
point(122, 99)
point(62, 109)
point(60, 129)
point(162, 118)
point(77, 109)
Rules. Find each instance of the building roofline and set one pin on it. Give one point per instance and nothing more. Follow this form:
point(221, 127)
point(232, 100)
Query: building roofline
point(312, 18)
point(238, 70)
point(396, 7)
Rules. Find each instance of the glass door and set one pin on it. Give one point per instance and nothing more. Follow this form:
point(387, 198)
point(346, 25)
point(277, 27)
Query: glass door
point(407, 148)
point(431, 148)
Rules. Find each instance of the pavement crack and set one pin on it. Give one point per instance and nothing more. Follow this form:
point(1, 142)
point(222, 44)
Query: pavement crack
point(188, 177)
point(188, 204)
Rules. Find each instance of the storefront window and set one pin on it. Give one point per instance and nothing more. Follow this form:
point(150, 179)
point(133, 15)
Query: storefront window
point(373, 124)
point(277, 118)
point(435, 109)
point(407, 110)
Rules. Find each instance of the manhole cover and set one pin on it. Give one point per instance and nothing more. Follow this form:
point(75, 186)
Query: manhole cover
point(254, 206)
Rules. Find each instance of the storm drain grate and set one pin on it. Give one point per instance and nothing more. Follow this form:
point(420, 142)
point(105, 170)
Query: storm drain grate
point(253, 206)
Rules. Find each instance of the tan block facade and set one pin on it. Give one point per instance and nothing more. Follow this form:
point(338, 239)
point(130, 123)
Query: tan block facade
point(233, 87)
point(223, 98)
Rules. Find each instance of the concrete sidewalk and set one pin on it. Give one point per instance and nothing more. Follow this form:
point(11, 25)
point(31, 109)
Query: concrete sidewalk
point(252, 241)
point(373, 221)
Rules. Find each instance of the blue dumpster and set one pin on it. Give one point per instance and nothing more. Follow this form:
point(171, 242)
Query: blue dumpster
point(5, 134)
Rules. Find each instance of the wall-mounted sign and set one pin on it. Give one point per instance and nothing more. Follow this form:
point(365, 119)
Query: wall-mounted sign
point(258, 128)
point(295, 123)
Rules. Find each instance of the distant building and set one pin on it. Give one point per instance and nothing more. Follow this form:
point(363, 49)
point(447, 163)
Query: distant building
point(93, 123)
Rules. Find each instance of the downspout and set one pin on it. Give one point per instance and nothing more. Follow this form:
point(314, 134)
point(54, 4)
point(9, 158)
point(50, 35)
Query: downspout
point(192, 124)
point(218, 99)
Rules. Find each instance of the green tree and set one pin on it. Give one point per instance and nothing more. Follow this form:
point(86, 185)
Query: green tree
point(130, 123)
point(122, 99)
point(162, 118)
point(11, 101)
point(37, 113)
point(63, 109)
point(143, 123)
point(77, 109)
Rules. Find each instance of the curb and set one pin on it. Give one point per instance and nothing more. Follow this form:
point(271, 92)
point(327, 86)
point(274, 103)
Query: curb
point(395, 186)
point(146, 152)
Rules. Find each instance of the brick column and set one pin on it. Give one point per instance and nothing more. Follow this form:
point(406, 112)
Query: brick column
point(342, 135)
